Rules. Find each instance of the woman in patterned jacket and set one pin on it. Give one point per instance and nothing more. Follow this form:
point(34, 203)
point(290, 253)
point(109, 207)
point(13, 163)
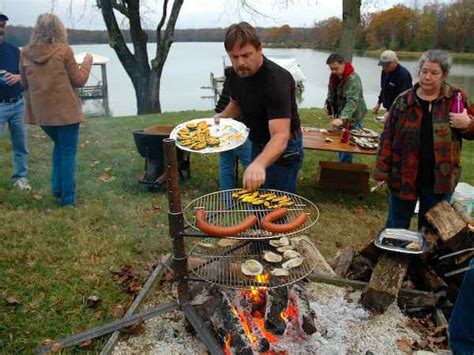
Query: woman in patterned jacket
point(419, 153)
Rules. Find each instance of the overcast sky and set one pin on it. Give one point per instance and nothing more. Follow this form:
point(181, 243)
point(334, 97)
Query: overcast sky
point(82, 14)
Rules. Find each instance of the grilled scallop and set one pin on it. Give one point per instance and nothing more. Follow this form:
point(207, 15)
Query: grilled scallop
point(271, 257)
point(283, 241)
point(291, 254)
point(292, 263)
point(226, 242)
point(251, 268)
point(285, 248)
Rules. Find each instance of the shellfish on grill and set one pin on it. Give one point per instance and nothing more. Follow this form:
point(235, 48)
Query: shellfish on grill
point(280, 272)
point(251, 268)
point(291, 254)
point(271, 257)
point(208, 245)
point(226, 242)
point(283, 241)
point(285, 248)
point(292, 263)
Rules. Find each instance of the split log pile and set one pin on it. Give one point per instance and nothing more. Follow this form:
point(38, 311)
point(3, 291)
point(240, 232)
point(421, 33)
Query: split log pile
point(386, 273)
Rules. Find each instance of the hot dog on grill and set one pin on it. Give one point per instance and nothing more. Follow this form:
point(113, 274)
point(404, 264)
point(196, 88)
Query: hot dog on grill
point(220, 231)
point(267, 221)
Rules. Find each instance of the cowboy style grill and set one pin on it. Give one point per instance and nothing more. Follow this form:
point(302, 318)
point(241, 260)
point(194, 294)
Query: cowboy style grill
point(221, 265)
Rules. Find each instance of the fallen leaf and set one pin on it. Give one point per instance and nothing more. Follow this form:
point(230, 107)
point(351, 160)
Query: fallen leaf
point(108, 168)
point(135, 329)
point(93, 301)
point(436, 340)
point(106, 177)
point(86, 344)
point(404, 344)
point(157, 207)
point(57, 347)
point(47, 341)
point(95, 163)
point(12, 301)
point(360, 210)
point(117, 311)
point(37, 196)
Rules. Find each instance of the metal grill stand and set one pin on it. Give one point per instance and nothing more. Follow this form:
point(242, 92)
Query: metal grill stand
point(249, 244)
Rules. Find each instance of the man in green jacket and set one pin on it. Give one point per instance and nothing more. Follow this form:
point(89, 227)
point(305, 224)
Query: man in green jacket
point(345, 102)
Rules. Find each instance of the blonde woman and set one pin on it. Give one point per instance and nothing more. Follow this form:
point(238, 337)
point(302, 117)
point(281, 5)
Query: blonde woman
point(50, 74)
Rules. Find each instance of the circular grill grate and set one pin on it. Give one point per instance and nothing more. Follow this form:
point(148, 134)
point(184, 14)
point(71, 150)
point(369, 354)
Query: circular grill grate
point(223, 210)
point(222, 265)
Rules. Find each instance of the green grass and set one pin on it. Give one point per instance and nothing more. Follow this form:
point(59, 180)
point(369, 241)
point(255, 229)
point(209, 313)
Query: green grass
point(52, 259)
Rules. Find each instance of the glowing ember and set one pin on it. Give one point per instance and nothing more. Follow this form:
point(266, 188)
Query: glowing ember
point(246, 327)
point(227, 344)
point(290, 313)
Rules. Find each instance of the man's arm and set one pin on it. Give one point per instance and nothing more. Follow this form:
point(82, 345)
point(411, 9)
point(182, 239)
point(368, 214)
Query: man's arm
point(254, 175)
point(232, 110)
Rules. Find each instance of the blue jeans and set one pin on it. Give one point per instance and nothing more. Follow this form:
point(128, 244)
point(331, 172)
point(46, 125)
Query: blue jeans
point(13, 115)
point(400, 211)
point(63, 178)
point(349, 157)
point(283, 173)
point(461, 324)
point(227, 164)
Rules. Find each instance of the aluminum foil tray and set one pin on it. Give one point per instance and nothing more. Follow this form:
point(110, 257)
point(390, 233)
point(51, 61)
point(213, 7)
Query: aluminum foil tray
point(401, 241)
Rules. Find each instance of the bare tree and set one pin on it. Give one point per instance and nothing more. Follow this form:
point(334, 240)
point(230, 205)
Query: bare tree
point(145, 75)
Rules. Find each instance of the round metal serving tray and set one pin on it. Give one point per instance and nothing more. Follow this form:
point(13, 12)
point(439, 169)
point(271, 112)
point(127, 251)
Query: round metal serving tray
point(222, 265)
point(223, 210)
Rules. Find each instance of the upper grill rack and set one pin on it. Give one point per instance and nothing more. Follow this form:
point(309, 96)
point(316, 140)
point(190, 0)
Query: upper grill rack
point(223, 210)
point(222, 265)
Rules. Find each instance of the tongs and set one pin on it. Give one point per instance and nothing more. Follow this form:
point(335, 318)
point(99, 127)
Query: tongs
point(461, 270)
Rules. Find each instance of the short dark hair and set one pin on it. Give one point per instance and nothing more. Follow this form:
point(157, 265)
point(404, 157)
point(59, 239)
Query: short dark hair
point(335, 57)
point(243, 33)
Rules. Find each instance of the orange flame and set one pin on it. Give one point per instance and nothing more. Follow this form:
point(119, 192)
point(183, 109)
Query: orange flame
point(246, 327)
point(291, 312)
point(266, 334)
point(227, 344)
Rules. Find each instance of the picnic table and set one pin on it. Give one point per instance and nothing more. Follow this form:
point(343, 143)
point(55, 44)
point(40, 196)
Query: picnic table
point(316, 139)
point(348, 176)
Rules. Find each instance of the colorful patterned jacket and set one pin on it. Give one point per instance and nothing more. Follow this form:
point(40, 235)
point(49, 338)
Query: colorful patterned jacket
point(399, 146)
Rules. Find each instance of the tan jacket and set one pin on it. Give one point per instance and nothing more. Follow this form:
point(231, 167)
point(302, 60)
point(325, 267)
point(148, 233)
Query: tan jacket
point(50, 74)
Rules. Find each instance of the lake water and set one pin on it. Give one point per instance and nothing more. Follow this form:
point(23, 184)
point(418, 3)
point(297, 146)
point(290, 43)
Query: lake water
point(189, 65)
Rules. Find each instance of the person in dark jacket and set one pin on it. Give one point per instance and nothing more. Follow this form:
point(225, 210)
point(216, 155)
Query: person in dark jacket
point(12, 107)
point(395, 79)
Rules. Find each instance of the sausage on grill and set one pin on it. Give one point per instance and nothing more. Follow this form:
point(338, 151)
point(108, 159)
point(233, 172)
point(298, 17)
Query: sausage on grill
point(267, 221)
point(220, 231)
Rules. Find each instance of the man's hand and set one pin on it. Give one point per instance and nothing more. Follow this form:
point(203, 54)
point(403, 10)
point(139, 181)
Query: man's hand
point(459, 120)
point(12, 79)
point(376, 108)
point(336, 122)
point(254, 176)
point(88, 59)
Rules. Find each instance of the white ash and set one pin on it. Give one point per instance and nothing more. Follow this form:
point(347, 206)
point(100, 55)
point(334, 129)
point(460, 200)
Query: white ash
point(165, 334)
point(349, 328)
point(346, 328)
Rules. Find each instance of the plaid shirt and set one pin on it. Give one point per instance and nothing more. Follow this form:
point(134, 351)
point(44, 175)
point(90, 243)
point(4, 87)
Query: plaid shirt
point(398, 154)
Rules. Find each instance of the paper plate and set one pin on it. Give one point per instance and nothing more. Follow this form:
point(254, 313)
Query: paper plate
point(230, 132)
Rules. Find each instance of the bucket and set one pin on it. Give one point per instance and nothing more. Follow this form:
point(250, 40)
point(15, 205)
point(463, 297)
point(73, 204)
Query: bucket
point(464, 195)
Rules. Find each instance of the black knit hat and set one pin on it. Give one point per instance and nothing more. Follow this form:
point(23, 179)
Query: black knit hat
point(3, 17)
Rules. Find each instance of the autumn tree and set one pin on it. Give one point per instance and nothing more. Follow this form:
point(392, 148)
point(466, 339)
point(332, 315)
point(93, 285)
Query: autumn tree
point(144, 74)
point(327, 33)
point(393, 28)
